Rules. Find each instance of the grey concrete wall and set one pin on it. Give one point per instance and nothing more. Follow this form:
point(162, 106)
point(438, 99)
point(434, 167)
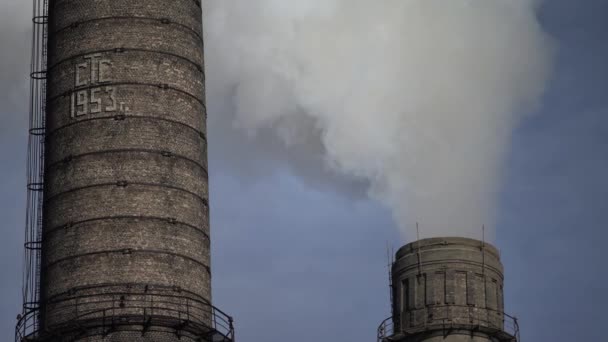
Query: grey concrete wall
point(126, 196)
point(447, 283)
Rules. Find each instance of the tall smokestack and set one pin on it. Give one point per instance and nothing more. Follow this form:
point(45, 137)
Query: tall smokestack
point(125, 225)
point(448, 289)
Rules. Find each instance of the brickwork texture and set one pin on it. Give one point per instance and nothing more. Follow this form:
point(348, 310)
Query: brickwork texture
point(126, 218)
point(447, 284)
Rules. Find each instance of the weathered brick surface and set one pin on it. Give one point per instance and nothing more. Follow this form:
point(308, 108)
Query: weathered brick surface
point(156, 335)
point(110, 236)
point(126, 221)
point(118, 267)
point(131, 133)
point(129, 166)
point(185, 12)
point(447, 281)
point(134, 200)
point(148, 68)
point(145, 34)
point(155, 102)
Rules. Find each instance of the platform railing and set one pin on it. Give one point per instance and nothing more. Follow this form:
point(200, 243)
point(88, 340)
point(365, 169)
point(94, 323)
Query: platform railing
point(495, 323)
point(104, 310)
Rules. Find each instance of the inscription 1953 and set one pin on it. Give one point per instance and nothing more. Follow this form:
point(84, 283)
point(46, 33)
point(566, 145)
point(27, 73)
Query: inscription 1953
point(93, 73)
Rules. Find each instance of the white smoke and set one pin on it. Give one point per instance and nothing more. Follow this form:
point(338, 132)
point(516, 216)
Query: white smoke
point(419, 97)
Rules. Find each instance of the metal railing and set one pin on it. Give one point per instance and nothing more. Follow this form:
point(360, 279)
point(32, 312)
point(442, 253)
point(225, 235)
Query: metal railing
point(102, 310)
point(493, 323)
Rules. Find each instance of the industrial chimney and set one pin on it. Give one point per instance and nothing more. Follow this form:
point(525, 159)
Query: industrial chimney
point(449, 290)
point(122, 248)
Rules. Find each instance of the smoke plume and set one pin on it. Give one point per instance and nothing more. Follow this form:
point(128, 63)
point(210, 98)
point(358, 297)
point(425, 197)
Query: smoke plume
point(418, 97)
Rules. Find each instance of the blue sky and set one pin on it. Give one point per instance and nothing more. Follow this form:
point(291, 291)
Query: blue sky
point(307, 259)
